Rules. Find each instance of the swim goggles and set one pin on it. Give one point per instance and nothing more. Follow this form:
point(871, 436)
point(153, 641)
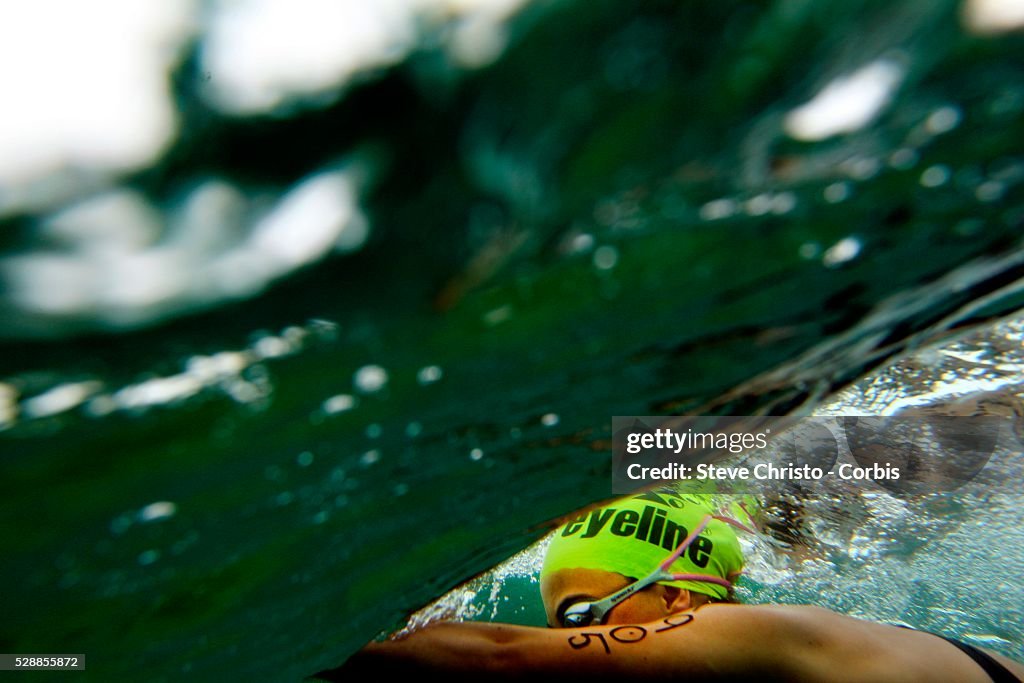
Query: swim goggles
point(588, 613)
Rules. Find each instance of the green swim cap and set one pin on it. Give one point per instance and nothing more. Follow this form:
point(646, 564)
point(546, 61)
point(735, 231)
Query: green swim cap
point(632, 536)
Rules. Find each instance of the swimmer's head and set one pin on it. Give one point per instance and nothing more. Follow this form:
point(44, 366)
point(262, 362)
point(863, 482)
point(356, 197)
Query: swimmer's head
point(632, 536)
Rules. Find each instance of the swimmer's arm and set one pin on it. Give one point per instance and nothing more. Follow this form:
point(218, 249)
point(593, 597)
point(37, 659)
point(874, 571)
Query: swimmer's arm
point(503, 650)
point(450, 647)
point(680, 644)
point(717, 643)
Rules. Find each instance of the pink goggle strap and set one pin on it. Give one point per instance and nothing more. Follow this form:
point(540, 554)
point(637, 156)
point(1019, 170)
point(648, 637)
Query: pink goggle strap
point(664, 566)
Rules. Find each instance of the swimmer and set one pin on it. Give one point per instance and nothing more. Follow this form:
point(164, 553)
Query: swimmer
point(642, 589)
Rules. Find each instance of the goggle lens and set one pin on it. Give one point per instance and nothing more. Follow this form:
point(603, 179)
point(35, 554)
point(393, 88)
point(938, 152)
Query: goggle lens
point(578, 615)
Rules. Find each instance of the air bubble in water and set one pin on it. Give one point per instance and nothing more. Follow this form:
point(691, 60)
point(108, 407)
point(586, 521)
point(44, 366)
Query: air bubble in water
point(837, 192)
point(718, 209)
point(148, 557)
point(606, 257)
point(990, 191)
point(903, 159)
point(159, 510)
point(370, 379)
point(942, 120)
point(339, 404)
point(809, 250)
point(934, 176)
point(429, 374)
point(842, 251)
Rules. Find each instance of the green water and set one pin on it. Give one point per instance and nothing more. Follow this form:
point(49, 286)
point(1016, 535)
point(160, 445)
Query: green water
point(297, 534)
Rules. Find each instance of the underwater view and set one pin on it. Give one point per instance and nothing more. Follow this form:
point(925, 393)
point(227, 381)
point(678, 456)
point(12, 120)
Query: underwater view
point(315, 316)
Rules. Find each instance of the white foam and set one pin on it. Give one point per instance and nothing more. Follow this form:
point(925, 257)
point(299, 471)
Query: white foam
point(993, 16)
point(261, 54)
point(86, 84)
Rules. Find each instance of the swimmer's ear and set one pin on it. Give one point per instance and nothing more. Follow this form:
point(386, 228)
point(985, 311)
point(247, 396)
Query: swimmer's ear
point(676, 599)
